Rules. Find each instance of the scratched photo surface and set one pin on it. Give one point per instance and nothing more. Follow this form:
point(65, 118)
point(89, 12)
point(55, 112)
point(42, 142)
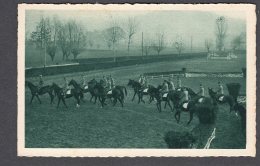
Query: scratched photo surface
point(136, 80)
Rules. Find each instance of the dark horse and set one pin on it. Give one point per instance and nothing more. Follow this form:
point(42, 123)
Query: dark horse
point(192, 105)
point(222, 99)
point(35, 91)
point(77, 87)
point(118, 93)
point(61, 96)
point(91, 84)
point(138, 89)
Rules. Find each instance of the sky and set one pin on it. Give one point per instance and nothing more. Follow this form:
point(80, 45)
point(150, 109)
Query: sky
point(196, 24)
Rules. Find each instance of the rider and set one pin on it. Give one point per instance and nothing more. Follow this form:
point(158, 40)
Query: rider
point(83, 81)
point(112, 80)
point(185, 98)
point(165, 88)
point(104, 80)
point(40, 82)
point(201, 92)
point(220, 89)
point(108, 83)
point(66, 86)
point(179, 86)
point(171, 85)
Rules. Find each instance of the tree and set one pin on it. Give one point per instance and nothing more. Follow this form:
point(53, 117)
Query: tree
point(159, 43)
point(42, 35)
point(147, 45)
point(63, 40)
point(179, 44)
point(221, 31)
point(131, 29)
point(208, 44)
point(113, 35)
point(236, 42)
point(71, 39)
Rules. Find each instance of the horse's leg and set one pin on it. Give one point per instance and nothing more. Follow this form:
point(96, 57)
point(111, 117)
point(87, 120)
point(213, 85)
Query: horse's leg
point(191, 117)
point(95, 99)
point(165, 104)
point(121, 101)
point(168, 101)
point(51, 96)
point(58, 102)
point(142, 98)
point(177, 116)
point(38, 99)
point(63, 100)
point(115, 101)
point(134, 96)
point(91, 98)
point(32, 99)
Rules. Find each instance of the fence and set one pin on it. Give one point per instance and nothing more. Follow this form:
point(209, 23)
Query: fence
point(184, 73)
point(105, 63)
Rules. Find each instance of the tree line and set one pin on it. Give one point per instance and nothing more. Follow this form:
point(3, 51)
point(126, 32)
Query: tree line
point(52, 34)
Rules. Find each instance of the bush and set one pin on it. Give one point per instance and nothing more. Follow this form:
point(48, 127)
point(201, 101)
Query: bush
point(179, 140)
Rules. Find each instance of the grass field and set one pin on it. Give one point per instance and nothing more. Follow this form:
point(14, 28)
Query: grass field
point(135, 125)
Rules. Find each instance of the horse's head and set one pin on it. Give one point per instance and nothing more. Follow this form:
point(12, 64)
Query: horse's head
point(72, 82)
point(130, 82)
point(212, 93)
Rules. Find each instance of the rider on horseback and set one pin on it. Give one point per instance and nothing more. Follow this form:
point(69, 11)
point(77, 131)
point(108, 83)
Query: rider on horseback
point(179, 86)
point(113, 84)
point(83, 81)
point(201, 93)
point(165, 89)
point(220, 89)
point(66, 86)
point(40, 83)
point(185, 98)
point(171, 85)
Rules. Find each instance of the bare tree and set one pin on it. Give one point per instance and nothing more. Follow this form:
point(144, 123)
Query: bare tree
point(208, 44)
point(221, 32)
point(52, 45)
point(42, 34)
point(179, 44)
point(113, 35)
point(63, 40)
point(159, 43)
point(236, 42)
point(147, 45)
point(131, 29)
point(71, 38)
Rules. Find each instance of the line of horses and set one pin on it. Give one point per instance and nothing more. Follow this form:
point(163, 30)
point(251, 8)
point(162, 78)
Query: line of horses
point(173, 99)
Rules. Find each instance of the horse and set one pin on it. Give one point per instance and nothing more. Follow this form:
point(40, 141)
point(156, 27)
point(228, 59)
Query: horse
point(118, 93)
point(138, 89)
point(222, 99)
point(61, 96)
point(91, 84)
point(241, 110)
point(35, 91)
point(172, 96)
point(77, 87)
point(196, 101)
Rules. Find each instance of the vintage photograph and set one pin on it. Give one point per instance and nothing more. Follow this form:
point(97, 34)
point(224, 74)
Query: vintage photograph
point(136, 80)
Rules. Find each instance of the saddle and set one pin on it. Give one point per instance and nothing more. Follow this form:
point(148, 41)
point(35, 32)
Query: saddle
point(68, 92)
point(145, 90)
point(200, 100)
point(85, 87)
point(109, 92)
point(185, 105)
point(220, 98)
point(165, 95)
